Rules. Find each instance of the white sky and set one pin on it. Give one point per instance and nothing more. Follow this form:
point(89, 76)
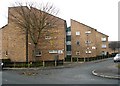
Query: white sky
point(99, 14)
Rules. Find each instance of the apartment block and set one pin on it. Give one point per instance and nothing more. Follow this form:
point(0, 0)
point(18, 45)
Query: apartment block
point(56, 43)
point(83, 41)
point(51, 44)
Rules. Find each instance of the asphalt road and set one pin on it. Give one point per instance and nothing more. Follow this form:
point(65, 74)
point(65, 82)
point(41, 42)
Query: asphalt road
point(79, 74)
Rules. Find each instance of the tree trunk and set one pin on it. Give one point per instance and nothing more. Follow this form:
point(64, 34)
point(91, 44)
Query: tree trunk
point(35, 50)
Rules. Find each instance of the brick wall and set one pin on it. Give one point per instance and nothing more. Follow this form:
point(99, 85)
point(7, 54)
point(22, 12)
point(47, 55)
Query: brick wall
point(91, 49)
point(14, 41)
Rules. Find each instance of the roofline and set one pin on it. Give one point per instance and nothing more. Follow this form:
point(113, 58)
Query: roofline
point(38, 10)
point(4, 26)
point(89, 27)
point(49, 14)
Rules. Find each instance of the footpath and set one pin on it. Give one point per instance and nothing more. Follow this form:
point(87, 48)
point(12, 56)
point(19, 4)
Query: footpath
point(111, 72)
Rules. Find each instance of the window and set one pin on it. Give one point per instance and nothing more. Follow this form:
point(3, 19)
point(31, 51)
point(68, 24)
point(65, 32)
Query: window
point(68, 33)
point(38, 53)
point(56, 51)
point(88, 42)
point(104, 46)
point(68, 29)
point(53, 51)
point(88, 32)
point(78, 53)
point(103, 39)
point(68, 38)
point(93, 47)
point(68, 52)
point(6, 53)
point(103, 53)
point(77, 33)
point(60, 51)
point(68, 42)
point(78, 43)
point(68, 47)
point(47, 24)
point(88, 52)
point(47, 37)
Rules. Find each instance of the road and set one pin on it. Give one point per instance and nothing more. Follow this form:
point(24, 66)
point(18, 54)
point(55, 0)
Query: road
point(79, 74)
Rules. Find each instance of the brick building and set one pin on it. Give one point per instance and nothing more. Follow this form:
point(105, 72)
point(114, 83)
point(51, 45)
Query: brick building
point(78, 40)
point(84, 41)
point(51, 44)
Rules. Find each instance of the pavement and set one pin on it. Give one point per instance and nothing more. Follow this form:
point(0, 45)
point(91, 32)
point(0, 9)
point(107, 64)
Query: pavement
point(111, 72)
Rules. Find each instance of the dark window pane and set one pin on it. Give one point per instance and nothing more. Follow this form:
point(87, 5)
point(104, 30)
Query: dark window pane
point(68, 47)
point(68, 38)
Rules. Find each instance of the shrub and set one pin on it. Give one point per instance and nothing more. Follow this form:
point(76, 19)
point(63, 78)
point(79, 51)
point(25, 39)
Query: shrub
point(118, 66)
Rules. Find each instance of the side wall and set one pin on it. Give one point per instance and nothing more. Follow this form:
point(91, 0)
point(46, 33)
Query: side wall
point(90, 44)
point(13, 43)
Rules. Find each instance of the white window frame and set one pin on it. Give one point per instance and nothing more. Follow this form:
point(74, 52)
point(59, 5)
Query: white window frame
point(60, 51)
point(47, 37)
point(104, 46)
point(77, 52)
point(93, 47)
point(88, 52)
point(53, 51)
point(87, 32)
point(56, 51)
point(103, 39)
point(77, 33)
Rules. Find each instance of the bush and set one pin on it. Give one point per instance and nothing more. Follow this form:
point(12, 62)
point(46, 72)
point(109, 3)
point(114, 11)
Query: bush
point(6, 60)
point(118, 66)
point(22, 64)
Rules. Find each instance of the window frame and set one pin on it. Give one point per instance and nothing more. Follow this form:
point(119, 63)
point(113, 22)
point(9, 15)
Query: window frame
point(104, 46)
point(103, 39)
point(77, 52)
point(77, 42)
point(88, 32)
point(38, 53)
point(77, 33)
point(48, 37)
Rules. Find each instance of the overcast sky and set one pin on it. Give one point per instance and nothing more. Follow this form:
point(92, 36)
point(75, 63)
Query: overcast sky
point(99, 14)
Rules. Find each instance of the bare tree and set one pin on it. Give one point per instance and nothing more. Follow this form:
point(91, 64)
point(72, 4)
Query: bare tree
point(115, 45)
point(33, 20)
